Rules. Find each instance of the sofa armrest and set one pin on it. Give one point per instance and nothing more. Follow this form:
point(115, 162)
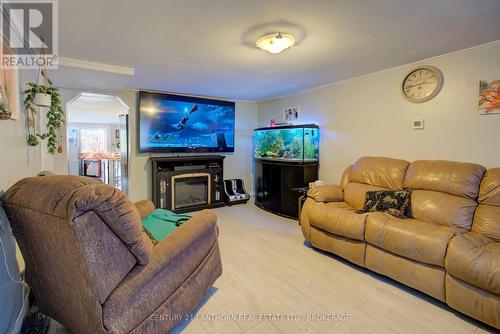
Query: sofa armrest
point(326, 193)
point(173, 261)
point(145, 207)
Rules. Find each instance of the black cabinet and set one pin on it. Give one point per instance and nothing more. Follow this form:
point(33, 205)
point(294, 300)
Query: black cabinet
point(274, 183)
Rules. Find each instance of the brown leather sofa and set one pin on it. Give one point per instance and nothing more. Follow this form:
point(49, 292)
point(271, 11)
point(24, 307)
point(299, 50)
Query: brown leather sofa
point(92, 267)
point(449, 250)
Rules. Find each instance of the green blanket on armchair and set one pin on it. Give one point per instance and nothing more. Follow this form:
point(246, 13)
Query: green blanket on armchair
point(161, 223)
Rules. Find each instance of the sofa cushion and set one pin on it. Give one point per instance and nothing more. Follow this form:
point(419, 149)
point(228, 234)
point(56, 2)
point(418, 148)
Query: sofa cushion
point(440, 208)
point(355, 194)
point(114, 208)
point(338, 218)
point(352, 250)
point(487, 221)
point(411, 238)
point(47, 194)
point(489, 192)
point(69, 197)
point(487, 217)
point(474, 302)
point(345, 176)
point(475, 259)
point(423, 277)
point(454, 178)
point(381, 172)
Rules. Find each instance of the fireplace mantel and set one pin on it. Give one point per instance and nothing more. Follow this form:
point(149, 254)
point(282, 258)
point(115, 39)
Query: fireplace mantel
point(182, 179)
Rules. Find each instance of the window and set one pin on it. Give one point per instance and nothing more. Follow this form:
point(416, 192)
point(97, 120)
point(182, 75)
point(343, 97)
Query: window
point(93, 140)
point(88, 139)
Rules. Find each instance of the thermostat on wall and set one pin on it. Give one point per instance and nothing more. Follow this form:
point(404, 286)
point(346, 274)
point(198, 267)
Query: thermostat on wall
point(291, 114)
point(418, 124)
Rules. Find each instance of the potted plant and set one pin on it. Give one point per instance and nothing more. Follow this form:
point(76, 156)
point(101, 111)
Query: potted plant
point(54, 115)
point(42, 99)
point(41, 96)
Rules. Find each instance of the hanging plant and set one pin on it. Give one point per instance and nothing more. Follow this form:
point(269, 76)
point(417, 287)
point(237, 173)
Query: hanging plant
point(54, 115)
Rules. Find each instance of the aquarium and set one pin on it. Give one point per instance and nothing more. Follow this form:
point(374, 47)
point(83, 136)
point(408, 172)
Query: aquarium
point(287, 143)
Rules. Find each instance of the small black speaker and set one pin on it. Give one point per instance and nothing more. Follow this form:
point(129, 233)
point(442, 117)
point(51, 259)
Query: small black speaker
point(234, 192)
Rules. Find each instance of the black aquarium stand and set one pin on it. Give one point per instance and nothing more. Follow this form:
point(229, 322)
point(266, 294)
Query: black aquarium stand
point(275, 182)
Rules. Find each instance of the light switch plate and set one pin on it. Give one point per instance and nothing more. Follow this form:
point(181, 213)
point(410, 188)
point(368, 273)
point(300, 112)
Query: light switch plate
point(291, 114)
point(418, 124)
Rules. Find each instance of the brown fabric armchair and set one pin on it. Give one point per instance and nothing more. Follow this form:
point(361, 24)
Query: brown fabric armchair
point(92, 267)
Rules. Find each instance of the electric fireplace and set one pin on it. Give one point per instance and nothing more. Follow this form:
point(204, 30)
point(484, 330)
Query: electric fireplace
point(192, 189)
point(188, 183)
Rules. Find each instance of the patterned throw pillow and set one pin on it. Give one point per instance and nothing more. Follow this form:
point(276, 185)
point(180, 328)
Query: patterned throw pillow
point(394, 202)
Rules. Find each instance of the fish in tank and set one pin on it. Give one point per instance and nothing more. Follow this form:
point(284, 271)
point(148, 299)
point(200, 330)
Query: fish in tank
point(294, 143)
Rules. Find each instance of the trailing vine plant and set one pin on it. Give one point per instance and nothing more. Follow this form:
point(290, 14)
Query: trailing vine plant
point(54, 115)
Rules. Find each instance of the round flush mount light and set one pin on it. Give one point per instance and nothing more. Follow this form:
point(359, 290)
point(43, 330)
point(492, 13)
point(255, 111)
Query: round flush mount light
point(275, 42)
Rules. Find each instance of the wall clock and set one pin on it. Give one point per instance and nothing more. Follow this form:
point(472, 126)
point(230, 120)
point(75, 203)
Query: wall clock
point(422, 84)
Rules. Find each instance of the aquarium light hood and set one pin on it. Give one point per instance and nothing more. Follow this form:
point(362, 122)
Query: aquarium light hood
point(275, 42)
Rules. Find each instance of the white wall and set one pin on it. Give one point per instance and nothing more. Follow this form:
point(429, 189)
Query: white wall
point(17, 159)
point(21, 161)
point(362, 116)
point(368, 116)
point(236, 165)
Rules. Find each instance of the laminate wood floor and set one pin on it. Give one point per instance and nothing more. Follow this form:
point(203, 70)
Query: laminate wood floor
point(275, 283)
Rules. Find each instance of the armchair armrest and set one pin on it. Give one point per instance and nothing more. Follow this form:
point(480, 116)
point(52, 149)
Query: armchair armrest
point(192, 240)
point(173, 261)
point(326, 193)
point(145, 207)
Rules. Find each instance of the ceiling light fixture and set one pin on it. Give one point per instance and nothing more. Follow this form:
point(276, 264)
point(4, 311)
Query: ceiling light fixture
point(275, 42)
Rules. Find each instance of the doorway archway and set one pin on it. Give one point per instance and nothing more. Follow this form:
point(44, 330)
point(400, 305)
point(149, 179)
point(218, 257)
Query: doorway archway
point(98, 141)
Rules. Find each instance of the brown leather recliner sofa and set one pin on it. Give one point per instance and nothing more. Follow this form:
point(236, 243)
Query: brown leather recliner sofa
point(449, 250)
point(92, 267)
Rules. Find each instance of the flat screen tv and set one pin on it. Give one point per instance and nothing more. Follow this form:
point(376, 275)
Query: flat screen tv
point(173, 123)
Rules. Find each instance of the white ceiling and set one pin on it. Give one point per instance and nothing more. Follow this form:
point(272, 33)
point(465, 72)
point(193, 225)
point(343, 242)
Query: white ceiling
point(96, 109)
point(86, 79)
point(207, 48)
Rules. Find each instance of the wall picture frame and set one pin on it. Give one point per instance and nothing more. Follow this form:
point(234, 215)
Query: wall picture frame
point(291, 114)
point(10, 87)
point(489, 97)
point(11, 90)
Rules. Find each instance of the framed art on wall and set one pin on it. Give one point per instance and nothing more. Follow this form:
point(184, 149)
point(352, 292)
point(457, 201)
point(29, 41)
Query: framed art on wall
point(9, 85)
point(489, 97)
point(10, 89)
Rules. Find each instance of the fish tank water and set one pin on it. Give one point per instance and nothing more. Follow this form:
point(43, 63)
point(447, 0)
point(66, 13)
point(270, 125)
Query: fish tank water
point(287, 143)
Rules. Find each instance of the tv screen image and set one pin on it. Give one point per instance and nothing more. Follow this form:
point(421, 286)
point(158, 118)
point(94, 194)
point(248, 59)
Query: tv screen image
point(174, 123)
